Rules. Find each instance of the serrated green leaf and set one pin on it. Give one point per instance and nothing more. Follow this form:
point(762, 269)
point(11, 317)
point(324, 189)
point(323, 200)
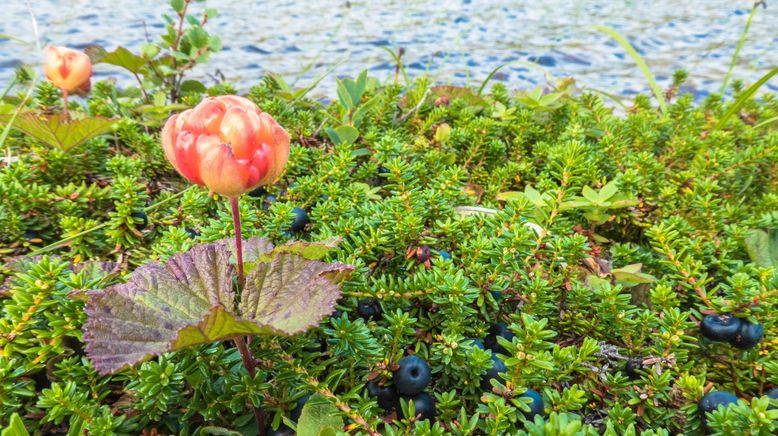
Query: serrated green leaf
point(259, 249)
point(15, 427)
point(309, 250)
point(121, 57)
point(190, 300)
point(214, 43)
point(319, 417)
point(55, 131)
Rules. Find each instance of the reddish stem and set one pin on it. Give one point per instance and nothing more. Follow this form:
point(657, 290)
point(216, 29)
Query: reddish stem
point(238, 238)
point(242, 342)
point(65, 103)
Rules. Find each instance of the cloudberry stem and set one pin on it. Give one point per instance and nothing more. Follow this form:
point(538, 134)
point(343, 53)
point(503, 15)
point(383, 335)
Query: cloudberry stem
point(65, 103)
point(242, 342)
point(238, 239)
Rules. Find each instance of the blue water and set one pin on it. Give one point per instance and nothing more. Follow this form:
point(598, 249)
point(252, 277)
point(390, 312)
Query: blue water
point(455, 41)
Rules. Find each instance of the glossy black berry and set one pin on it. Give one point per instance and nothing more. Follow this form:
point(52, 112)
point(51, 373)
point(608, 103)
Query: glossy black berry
point(497, 295)
point(536, 406)
point(633, 365)
point(192, 232)
point(720, 327)
point(369, 308)
point(267, 201)
point(412, 376)
point(423, 404)
point(499, 329)
point(387, 397)
point(748, 335)
point(140, 219)
point(498, 366)
point(300, 219)
point(258, 193)
point(710, 402)
point(383, 170)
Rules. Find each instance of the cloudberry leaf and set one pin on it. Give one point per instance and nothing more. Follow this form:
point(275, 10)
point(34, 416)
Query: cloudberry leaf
point(190, 300)
point(56, 131)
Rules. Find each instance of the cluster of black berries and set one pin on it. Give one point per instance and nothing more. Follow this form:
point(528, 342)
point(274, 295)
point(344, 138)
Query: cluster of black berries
point(739, 332)
point(410, 379)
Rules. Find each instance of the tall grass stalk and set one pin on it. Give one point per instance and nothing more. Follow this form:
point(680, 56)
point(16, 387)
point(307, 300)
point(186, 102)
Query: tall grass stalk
point(745, 96)
point(739, 46)
point(638, 60)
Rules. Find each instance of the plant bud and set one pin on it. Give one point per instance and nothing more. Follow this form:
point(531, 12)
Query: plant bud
point(227, 144)
point(67, 69)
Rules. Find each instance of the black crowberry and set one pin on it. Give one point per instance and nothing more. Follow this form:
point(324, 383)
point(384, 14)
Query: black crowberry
point(300, 219)
point(387, 397)
point(412, 376)
point(140, 219)
point(369, 308)
point(536, 406)
point(748, 335)
point(499, 329)
point(720, 327)
point(423, 406)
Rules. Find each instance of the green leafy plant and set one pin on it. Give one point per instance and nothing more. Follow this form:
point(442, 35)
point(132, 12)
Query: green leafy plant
point(352, 109)
point(163, 65)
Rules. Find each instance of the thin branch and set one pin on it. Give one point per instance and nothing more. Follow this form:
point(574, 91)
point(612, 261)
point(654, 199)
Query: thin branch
point(415, 108)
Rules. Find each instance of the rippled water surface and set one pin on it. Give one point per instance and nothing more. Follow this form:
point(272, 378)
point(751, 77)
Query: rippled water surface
point(456, 41)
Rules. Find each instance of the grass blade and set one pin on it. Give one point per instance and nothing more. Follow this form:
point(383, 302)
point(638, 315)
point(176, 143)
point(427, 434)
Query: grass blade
point(739, 46)
point(745, 96)
point(638, 60)
point(765, 122)
point(489, 77)
point(16, 113)
point(398, 62)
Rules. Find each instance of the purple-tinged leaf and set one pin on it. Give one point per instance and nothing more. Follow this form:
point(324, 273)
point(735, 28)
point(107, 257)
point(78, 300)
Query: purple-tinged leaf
point(291, 293)
point(138, 319)
point(190, 300)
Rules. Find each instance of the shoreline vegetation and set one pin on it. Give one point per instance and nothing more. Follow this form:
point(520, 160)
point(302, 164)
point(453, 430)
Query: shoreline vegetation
point(410, 258)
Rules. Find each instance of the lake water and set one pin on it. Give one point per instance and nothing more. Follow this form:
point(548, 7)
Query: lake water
point(456, 41)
